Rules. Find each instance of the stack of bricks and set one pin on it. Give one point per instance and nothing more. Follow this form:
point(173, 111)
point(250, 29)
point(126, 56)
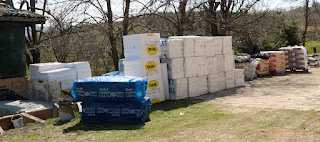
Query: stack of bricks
point(263, 67)
point(277, 61)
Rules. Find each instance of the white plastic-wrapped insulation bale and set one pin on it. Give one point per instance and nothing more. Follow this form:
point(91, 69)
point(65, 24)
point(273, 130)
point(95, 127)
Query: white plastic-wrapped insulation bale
point(142, 45)
point(188, 45)
point(175, 67)
point(201, 66)
point(35, 69)
point(227, 44)
point(197, 86)
point(215, 45)
point(216, 82)
point(220, 63)
point(230, 79)
point(164, 72)
point(171, 48)
point(64, 75)
point(212, 65)
point(190, 67)
point(239, 77)
point(82, 68)
point(155, 90)
point(143, 67)
point(178, 88)
point(228, 62)
point(164, 47)
point(200, 46)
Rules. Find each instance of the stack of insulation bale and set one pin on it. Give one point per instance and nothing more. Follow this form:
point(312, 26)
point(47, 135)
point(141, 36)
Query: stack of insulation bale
point(263, 67)
point(113, 99)
point(142, 59)
point(198, 65)
point(296, 57)
point(277, 62)
point(172, 59)
point(66, 73)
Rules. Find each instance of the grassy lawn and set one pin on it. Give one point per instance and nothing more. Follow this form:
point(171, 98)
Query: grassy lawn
point(184, 120)
point(311, 44)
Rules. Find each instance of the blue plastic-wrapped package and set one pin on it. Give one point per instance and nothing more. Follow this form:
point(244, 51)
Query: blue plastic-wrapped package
point(113, 89)
point(114, 73)
point(117, 112)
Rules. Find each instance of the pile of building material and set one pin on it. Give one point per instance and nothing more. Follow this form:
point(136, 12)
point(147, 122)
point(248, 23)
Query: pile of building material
point(263, 67)
point(198, 65)
point(249, 69)
point(277, 61)
point(142, 59)
point(66, 73)
point(113, 99)
point(296, 58)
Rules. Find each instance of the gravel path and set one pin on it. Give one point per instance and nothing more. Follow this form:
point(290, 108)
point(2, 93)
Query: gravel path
point(292, 91)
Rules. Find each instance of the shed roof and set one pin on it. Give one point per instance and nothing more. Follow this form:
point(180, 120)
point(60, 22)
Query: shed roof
point(10, 14)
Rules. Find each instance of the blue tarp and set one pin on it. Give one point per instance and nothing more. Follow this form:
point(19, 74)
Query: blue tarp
point(112, 89)
point(117, 112)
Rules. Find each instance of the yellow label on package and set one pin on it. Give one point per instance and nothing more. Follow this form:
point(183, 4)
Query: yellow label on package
point(153, 84)
point(152, 49)
point(151, 66)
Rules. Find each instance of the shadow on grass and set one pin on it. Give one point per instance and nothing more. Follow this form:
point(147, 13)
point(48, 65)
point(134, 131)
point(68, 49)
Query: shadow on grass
point(100, 126)
point(59, 123)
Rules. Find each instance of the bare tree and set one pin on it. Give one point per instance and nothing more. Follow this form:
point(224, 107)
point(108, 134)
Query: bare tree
point(224, 16)
point(306, 20)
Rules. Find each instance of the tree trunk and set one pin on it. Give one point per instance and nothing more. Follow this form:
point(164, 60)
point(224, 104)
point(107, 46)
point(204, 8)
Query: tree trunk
point(9, 2)
point(306, 18)
point(114, 50)
point(183, 18)
point(212, 17)
point(125, 23)
point(36, 51)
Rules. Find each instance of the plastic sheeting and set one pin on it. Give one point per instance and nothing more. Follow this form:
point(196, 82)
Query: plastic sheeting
point(110, 89)
point(249, 68)
point(117, 112)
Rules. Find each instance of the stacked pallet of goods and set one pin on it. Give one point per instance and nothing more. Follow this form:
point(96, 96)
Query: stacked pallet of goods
point(113, 99)
point(263, 67)
point(277, 61)
point(199, 65)
point(296, 58)
point(249, 69)
point(142, 59)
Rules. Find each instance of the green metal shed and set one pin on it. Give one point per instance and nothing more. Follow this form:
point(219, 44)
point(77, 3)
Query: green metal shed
point(12, 39)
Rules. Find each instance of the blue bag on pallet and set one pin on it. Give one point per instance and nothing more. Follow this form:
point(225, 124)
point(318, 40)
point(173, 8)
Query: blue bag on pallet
point(114, 73)
point(113, 89)
point(117, 112)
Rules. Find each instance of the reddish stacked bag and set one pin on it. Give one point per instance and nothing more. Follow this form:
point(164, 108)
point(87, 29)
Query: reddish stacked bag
point(277, 61)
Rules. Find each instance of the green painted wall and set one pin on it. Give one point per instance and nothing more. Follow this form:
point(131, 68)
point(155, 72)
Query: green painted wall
point(12, 51)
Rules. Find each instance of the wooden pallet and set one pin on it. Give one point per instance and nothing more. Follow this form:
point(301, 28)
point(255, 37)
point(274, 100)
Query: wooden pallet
point(264, 75)
point(299, 69)
point(278, 73)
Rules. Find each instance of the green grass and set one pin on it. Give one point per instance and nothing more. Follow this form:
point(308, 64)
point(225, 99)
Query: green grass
point(199, 122)
point(311, 44)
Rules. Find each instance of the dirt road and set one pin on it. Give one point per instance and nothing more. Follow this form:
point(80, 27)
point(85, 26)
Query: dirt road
point(292, 91)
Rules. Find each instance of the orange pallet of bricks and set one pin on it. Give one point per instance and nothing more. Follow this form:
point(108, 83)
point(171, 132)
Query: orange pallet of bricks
point(263, 68)
point(277, 62)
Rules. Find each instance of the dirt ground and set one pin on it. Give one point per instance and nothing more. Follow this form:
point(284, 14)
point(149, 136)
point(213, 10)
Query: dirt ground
point(296, 90)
